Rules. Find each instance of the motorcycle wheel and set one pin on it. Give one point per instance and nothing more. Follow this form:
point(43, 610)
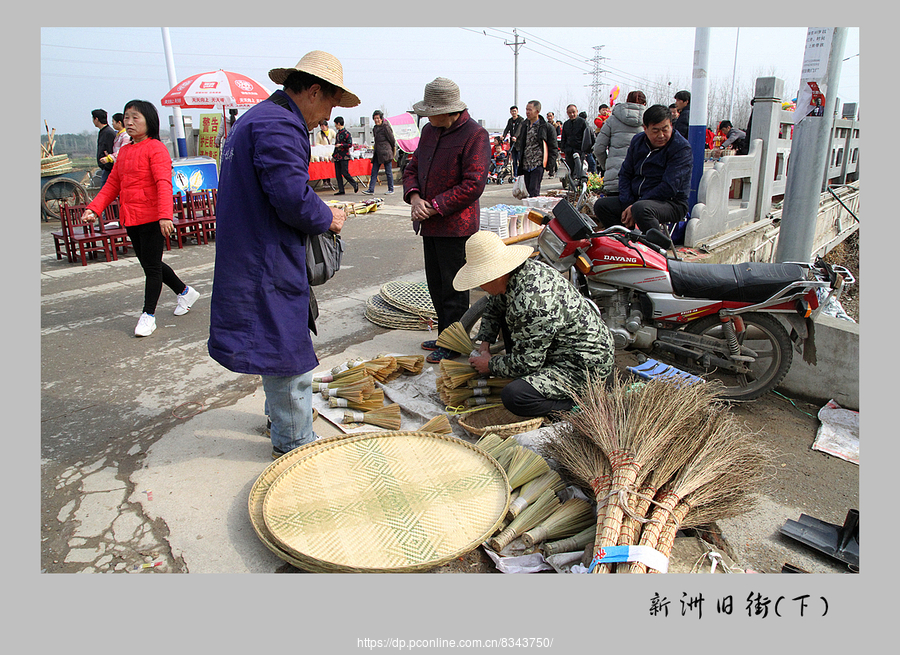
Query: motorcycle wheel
point(762, 334)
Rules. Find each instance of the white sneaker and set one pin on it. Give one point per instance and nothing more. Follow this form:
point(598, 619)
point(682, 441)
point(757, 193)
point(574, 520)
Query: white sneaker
point(185, 300)
point(146, 325)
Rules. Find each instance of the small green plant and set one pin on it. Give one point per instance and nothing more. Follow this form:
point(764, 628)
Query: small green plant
point(595, 183)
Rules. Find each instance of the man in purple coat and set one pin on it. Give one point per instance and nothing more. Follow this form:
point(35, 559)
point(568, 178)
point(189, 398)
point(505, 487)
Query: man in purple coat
point(443, 181)
point(260, 316)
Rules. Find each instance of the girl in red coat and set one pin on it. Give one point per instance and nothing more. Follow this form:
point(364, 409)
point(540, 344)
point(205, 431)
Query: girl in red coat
point(142, 180)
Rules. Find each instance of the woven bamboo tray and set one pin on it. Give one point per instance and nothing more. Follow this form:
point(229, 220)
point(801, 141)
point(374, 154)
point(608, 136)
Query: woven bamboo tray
point(382, 313)
point(386, 502)
point(499, 421)
point(262, 484)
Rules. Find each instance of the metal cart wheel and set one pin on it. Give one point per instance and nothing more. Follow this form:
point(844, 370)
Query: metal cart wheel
point(61, 190)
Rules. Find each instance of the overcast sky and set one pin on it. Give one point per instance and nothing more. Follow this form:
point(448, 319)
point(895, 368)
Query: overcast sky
point(83, 68)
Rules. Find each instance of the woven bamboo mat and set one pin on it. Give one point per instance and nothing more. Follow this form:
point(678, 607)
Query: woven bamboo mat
point(382, 313)
point(385, 502)
point(412, 297)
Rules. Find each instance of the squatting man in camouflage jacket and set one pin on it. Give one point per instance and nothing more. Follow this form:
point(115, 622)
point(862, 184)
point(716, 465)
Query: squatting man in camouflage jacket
point(553, 336)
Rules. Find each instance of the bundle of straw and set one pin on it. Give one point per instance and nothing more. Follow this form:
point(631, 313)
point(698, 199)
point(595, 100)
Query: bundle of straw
point(370, 402)
point(456, 373)
point(490, 442)
point(387, 417)
point(357, 392)
point(349, 364)
point(340, 372)
point(456, 338)
point(381, 368)
point(439, 424)
point(496, 383)
point(411, 364)
point(568, 519)
point(480, 401)
point(455, 397)
point(572, 544)
point(348, 377)
point(525, 465)
point(531, 490)
point(531, 516)
point(717, 453)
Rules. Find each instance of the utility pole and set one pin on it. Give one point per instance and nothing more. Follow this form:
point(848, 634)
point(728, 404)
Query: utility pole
point(699, 99)
point(809, 148)
point(516, 45)
point(595, 78)
point(734, 77)
point(176, 111)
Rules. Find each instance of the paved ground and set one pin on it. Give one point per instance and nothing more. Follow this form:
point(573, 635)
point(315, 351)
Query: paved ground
point(149, 448)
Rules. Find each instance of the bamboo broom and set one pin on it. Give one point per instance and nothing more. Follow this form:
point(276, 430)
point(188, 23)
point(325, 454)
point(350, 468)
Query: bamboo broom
point(531, 490)
point(525, 465)
point(348, 378)
point(411, 364)
point(497, 383)
point(439, 424)
point(456, 373)
point(371, 402)
point(490, 442)
point(572, 544)
point(717, 452)
point(504, 454)
point(339, 373)
point(633, 433)
point(568, 519)
point(349, 364)
point(483, 401)
point(530, 517)
point(387, 417)
point(676, 452)
point(459, 395)
point(381, 368)
point(356, 392)
point(455, 337)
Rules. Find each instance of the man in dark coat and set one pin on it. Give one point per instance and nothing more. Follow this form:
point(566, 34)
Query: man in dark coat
point(536, 148)
point(655, 178)
point(682, 124)
point(383, 135)
point(512, 129)
point(260, 316)
point(106, 138)
point(573, 136)
point(443, 181)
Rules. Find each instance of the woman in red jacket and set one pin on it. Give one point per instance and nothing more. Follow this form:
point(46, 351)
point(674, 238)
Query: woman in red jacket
point(142, 180)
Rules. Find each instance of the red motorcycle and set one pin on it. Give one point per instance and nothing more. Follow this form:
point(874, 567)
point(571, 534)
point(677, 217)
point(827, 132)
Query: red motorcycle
point(737, 323)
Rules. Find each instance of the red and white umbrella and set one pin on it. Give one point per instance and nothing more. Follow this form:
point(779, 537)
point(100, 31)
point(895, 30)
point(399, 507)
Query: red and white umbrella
point(219, 88)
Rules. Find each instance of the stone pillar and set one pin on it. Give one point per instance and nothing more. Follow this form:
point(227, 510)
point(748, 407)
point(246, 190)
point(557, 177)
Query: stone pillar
point(766, 114)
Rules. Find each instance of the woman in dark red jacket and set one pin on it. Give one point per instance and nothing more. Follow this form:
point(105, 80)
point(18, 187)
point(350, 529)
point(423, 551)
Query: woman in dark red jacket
point(443, 181)
point(142, 180)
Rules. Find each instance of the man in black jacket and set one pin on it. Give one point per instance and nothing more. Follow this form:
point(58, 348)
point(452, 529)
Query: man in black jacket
point(683, 122)
point(535, 149)
point(512, 129)
point(573, 136)
point(105, 140)
point(655, 178)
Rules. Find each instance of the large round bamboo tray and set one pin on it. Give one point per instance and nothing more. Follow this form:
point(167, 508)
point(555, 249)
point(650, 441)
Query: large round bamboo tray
point(265, 480)
point(499, 421)
point(386, 502)
point(382, 313)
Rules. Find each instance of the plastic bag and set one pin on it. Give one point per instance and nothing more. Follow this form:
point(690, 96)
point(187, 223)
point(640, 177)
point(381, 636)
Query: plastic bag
point(519, 190)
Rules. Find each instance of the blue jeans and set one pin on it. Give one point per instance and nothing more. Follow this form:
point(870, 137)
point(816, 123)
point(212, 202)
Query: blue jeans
point(289, 407)
point(388, 171)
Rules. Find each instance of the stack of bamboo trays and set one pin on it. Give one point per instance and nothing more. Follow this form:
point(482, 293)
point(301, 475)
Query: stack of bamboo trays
point(656, 457)
point(535, 512)
point(402, 306)
point(53, 164)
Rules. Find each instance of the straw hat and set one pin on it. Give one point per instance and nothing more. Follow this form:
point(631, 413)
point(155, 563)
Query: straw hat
point(441, 97)
point(323, 65)
point(488, 258)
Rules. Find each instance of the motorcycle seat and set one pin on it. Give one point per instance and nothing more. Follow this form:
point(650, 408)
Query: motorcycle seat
point(749, 282)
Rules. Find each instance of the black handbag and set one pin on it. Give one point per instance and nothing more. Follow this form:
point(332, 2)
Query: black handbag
point(323, 256)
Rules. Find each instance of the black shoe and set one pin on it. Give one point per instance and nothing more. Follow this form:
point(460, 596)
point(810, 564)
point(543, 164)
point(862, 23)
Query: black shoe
point(340, 193)
point(355, 188)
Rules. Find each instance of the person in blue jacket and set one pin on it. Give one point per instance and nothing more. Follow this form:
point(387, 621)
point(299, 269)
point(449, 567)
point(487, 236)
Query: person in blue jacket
point(655, 178)
point(260, 318)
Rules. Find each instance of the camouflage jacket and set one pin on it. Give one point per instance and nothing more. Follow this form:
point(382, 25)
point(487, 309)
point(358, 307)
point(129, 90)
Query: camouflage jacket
point(556, 335)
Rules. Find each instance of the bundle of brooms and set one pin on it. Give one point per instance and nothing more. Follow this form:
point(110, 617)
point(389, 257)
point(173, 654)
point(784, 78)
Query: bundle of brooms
point(369, 402)
point(439, 424)
point(625, 442)
point(356, 391)
point(455, 337)
point(387, 417)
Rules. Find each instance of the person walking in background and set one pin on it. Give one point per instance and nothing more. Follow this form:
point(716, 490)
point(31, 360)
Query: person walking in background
point(118, 123)
point(341, 156)
point(106, 139)
point(615, 136)
point(535, 148)
point(573, 136)
point(512, 129)
point(142, 180)
point(385, 144)
point(682, 124)
point(553, 166)
point(260, 314)
point(443, 181)
point(324, 135)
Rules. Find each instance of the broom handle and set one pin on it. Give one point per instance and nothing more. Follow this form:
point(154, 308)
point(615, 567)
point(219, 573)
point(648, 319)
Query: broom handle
point(660, 515)
point(667, 536)
point(624, 476)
